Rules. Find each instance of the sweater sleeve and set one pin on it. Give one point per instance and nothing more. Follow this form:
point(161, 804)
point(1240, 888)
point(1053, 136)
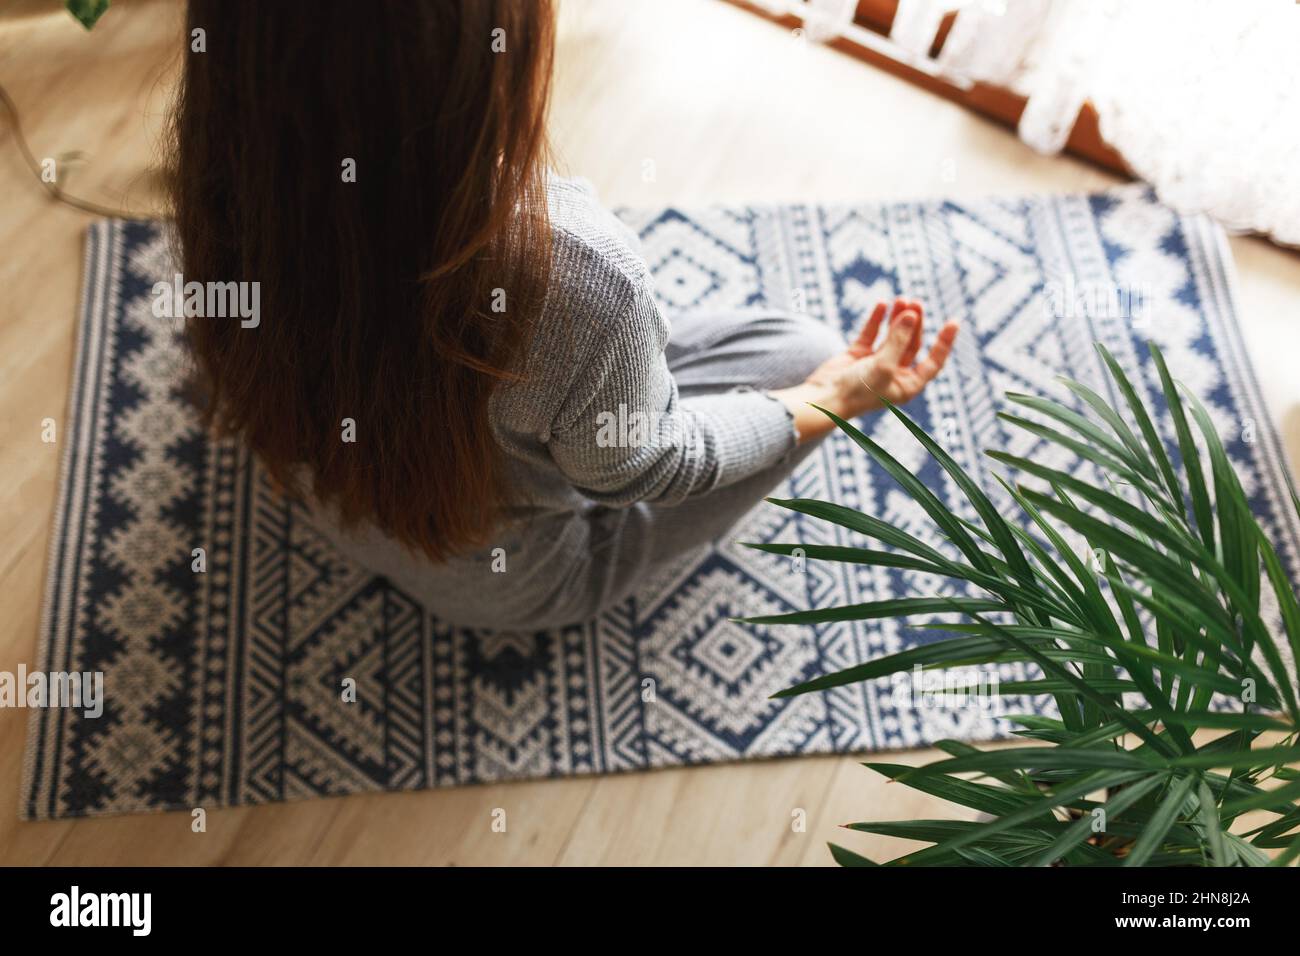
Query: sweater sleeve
point(625, 435)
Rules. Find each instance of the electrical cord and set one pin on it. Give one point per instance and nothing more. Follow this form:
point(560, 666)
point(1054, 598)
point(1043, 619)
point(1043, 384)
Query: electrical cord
point(55, 189)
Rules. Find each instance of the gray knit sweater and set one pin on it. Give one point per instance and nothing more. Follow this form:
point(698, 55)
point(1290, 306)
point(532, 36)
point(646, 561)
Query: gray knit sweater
point(595, 425)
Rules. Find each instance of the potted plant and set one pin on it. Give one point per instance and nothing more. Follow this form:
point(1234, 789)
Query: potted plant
point(1177, 707)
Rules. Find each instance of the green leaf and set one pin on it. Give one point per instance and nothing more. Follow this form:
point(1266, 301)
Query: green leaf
point(938, 652)
point(848, 858)
point(950, 569)
point(1092, 602)
point(1083, 426)
point(87, 12)
point(1036, 758)
point(1211, 827)
point(966, 793)
point(1284, 797)
point(1114, 506)
point(1155, 445)
point(916, 488)
point(1248, 854)
point(1166, 574)
point(980, 856)
point(849, 555)
point(1109, 686)
point(1001, 827)
point(988, 512)
point(1286, 856)
point(862, 524)
point(1191, 455)
point(1156, 828)
point(896, 607)
point(1014, 780)
point(1081, 829)
point(1221, 720)
point(1135, 454)
point(1257, 757)
point(1134, 657)
point(1244, 596)
point(1083, 688)
point(1286, 596)
point(1085, 451)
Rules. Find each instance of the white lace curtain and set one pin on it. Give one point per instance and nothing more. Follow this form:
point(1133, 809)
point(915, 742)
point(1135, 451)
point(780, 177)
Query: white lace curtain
point(1200, 97)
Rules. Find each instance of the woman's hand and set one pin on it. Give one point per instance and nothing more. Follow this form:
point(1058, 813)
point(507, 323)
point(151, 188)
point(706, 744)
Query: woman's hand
point(855, 381)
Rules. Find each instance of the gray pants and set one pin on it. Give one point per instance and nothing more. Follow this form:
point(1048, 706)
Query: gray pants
point(706, 353)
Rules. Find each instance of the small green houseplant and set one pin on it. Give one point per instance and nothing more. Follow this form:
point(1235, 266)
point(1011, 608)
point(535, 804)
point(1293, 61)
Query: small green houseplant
point(1166, 608)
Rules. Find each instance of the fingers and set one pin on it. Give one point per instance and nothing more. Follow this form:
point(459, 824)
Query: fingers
point(933, 363)
point(899, 340)
point(866, 339)
point(900, 306)
point(908, 355)
point(914, 346)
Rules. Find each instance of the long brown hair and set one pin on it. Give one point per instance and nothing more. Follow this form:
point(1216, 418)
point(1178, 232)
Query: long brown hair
point(379, 169)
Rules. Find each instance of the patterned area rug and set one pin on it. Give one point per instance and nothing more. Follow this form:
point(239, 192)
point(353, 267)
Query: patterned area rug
point(224, 687)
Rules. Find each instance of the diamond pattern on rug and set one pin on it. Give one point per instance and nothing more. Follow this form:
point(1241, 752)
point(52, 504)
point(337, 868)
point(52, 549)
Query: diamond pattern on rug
point(225, 687)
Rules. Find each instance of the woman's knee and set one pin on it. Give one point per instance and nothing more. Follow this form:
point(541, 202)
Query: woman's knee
point(807, 342)
point(763, 350)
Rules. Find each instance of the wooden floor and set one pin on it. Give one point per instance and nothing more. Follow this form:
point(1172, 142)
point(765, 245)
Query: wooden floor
point(727, 108)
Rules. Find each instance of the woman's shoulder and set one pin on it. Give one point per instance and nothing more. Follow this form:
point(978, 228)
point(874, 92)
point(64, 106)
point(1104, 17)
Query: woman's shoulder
point(591, 246)
point(600, 309)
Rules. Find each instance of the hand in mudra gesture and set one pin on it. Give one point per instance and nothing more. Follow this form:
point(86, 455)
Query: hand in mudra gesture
point(855, 381)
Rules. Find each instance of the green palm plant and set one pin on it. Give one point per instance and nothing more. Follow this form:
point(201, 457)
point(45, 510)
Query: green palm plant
point(1166, 609)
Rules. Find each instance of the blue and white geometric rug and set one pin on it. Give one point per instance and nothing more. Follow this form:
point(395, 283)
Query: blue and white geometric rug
point(223, 687)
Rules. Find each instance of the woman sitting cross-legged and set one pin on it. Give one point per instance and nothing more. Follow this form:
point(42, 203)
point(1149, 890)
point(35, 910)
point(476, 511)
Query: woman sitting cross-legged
point(460, 363)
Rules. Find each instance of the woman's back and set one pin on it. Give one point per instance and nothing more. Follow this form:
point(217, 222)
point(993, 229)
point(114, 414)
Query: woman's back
point(599, 303)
